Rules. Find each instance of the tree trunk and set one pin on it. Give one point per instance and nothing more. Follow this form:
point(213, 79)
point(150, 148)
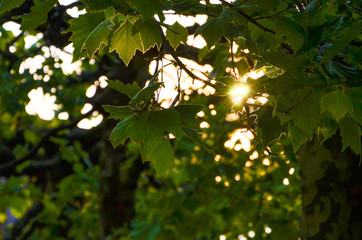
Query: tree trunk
point(109, 191)
point(331, 192)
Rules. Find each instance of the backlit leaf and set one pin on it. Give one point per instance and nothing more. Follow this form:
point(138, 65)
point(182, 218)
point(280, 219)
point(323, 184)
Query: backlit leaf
point(145, 94)
point(351, 134)
point(297, 136)
point(118, 112)
point(210, 31)
point(129, 89)
point(159, 122)
point(176, 34)
point(148, 8)
point(133, 127)
point(160, 154)
point(338, 103)
point(188, 113)
point(150, 34)
point(306, 113)
point(196, 137)
point(37, 16)
point(82, 27)
point(98, 37)
point(125, 42)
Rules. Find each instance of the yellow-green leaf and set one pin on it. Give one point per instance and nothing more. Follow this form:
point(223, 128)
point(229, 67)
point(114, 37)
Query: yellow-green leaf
point(125, 42)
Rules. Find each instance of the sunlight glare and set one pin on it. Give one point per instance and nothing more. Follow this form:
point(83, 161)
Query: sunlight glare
point(86, 108)
point(87, 124)
point(63, 116)
point(41, 104)
point(91, 91)
point(12, 26)
point(267, 229)
point(239, 139)
point(239, 92)
point(242, 237)
point(218, 179)
point(251, 234)
point(286, 181)
point(204, 125)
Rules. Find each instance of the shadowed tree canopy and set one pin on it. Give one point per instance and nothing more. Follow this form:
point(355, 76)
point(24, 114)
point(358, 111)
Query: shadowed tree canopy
point(180, 119)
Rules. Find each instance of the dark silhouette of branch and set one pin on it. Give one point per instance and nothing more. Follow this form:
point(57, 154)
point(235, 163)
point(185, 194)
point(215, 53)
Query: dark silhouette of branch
point(247, 17)
point(170, 50)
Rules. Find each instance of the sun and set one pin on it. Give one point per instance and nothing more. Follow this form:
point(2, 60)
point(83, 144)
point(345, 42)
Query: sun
point(239, 92)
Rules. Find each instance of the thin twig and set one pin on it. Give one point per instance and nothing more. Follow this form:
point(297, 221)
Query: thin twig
point(298, 103)
point(177, 98)
point(270, 16)
point(247, 17)
point(170, 50)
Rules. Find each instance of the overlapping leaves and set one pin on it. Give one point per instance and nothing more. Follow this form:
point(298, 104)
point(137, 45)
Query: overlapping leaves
point(149, 128)
point(95, 30)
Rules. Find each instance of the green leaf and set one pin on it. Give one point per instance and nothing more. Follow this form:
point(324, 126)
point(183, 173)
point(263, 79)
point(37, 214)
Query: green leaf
point(351, 134)
point(98, 37)
point(355, 95)
point(37, 16)
point(176, 34)
point(150, 34)
point(289, 28)
point(82, 27)
point(210, 31)
point(188, 113)
point(7, 5)
point(125, 42)
point(306, 113)
point(196, 137)
point(338, 103)
point(118, 112)
point(329, 128)
point(145, 94)
point(147, 127)
point(148, 8)
point(96, 4)
point(133, 127)
point(270, 126)
point(297, 136)
point(340, 44)
point(160, 154)
point(129, 89)
point(159, 122)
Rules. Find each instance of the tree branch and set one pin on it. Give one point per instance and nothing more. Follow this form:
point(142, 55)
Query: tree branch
point(247, 17)
point(170, 50)
point(298, 103)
